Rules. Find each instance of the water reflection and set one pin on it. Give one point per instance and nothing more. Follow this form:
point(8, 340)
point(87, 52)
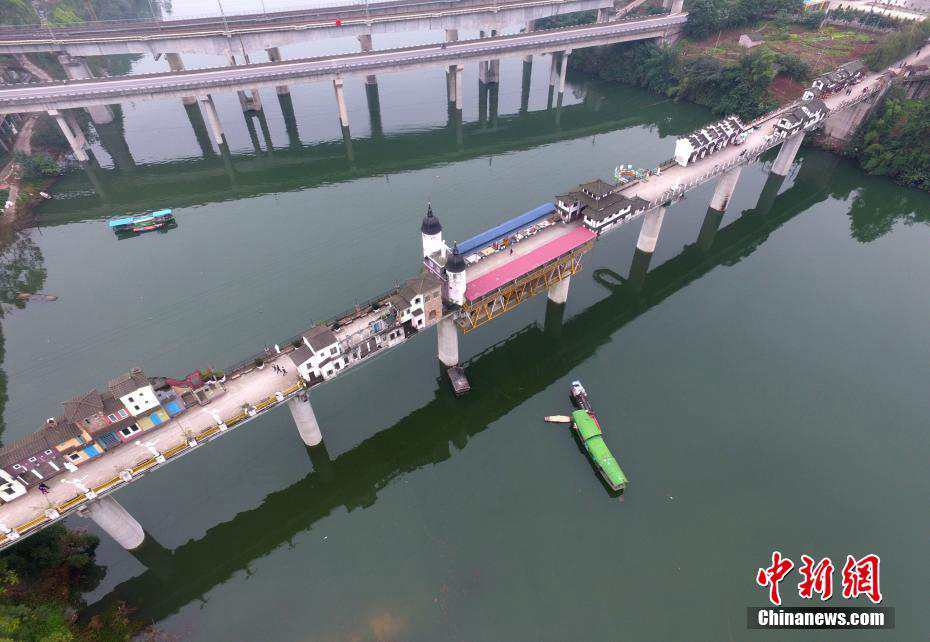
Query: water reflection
point(512, 371)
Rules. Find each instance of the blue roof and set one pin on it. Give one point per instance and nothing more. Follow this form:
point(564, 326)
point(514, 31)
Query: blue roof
point(505, 229)
point(128, 220)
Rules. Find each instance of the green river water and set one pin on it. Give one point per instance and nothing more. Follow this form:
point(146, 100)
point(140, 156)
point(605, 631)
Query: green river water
point(764, 391)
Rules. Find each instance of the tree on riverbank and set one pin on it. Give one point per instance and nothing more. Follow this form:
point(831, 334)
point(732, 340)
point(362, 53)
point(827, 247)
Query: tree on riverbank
point(726, 88)
point(896, 142)
point(42, 581)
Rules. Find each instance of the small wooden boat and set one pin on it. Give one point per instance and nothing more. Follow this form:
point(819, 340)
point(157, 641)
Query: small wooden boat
point(140, 223)
point(558, 419)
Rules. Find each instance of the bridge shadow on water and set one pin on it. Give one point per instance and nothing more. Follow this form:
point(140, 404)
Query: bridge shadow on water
point(521, 365)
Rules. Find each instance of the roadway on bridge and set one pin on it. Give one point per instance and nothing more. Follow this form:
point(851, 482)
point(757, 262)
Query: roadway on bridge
point(76, 93)
point(248, 389)
point(659, 189)
point(311, 18)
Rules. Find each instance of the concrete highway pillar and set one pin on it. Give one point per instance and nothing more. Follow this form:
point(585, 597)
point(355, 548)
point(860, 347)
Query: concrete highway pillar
point(75, 139)
point(458, 86)
point(448, 337)
point(525, 85)
point(290, 119)
point(176, 64)
point(208, 108)
point(305, 418)
point(709, 228)
point(554, 69)
point(558, 292)
point(786, 153)
point(341, 101)
point(274, 55)
point(768, 194)
point(555, 316)
point(725, 186)
point(112, 136)
point(639, 268)
point(200, 128)
point(116, 521)
point(452, 35)
point(374, 110)
point(530, 28)
point(365, 41)
point(674, 6)
point(603, 15)
point(843, 124)
point(562, 71)
point(248, 103)
point(649, 233)
point(77, 69)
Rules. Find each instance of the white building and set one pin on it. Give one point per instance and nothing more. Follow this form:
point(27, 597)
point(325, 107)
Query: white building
point(320, 356)
point(134, 391)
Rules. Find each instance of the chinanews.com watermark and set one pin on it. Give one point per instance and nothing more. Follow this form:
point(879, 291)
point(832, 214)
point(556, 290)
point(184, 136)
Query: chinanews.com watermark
point(860, 578)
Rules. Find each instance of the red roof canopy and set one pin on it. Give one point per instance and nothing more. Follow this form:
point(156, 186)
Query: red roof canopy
point(527, 263)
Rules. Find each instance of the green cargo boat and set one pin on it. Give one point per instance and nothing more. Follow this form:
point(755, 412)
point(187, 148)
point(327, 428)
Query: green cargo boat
point(589, 433)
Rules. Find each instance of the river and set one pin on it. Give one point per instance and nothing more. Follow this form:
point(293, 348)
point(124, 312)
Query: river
point(764, 391)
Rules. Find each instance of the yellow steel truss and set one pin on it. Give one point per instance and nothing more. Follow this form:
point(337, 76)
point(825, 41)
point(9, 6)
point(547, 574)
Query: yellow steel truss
point(476, 313)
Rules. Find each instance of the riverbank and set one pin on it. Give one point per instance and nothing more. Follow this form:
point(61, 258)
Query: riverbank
point(725, 76)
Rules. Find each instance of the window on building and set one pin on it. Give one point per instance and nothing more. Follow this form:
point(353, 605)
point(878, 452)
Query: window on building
point(32, 459)
point(337, 366)
point(48, 452)
point(123, 414)
point(75, 456)
point(128, 431)
point(136, 407)
point(19, 467)
point(112, 418)
point(130, 399)
point(332, 350)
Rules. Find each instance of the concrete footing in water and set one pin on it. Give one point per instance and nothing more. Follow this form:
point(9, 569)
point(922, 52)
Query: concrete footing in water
point(307, 425)
point(116, 521)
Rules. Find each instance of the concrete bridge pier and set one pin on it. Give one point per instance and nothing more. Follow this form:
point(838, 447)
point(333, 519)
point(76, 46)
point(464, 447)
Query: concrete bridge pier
point(305, 418)
point(767, 196)
point(176, 64)
point(199, 126)
point(341, 102)
point(674, 6)
point(555, 317)
point(112, 136)
point(603, 15)
point(208, 108)
point(454, 77)
point(525, 85)
point(843, 124)
point(639, 268)
point(725, 186)
point(251, 101)
point(77, 69)
point(74, 136)
point(558, 292)
point(274, 55)
point(365, 41)
point(649, 233)
point(563, 69)
point(709, 228)
point(290, 119)
point(786, 153)
point(448, 342)
point(115, 521)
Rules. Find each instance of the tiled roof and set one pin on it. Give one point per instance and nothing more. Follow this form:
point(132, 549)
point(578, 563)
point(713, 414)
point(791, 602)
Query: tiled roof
point(44, 439)
point(319, 337)
point(300, 355)
point(82, 406)
point(127, 382)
